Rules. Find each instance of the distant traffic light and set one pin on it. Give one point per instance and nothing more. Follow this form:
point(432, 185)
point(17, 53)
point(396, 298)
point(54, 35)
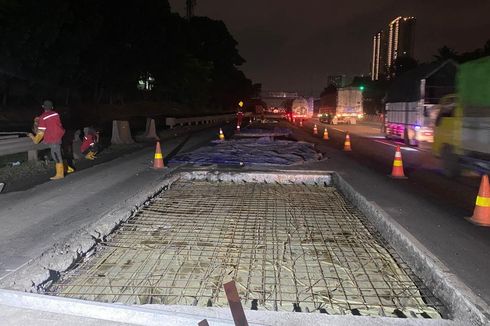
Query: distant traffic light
point(361, 88)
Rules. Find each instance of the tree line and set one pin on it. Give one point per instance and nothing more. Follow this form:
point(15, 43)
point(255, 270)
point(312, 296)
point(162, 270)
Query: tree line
point(96, 51)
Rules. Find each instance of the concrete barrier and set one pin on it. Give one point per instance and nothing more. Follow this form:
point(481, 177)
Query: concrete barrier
point(19, 145)
point(121, 133)
point(150, 132)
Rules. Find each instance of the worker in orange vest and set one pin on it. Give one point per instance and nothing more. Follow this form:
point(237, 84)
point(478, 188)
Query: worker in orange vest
point(90, 143)
point(51, 131)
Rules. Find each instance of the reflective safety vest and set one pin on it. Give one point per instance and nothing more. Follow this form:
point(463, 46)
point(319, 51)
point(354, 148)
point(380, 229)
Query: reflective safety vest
point(50, 124)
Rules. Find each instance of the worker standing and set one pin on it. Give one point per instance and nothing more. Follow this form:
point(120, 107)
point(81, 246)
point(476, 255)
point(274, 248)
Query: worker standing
point(51, 131)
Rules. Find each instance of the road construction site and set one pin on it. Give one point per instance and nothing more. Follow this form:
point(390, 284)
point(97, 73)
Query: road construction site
point(299, 241)
point(287, 246)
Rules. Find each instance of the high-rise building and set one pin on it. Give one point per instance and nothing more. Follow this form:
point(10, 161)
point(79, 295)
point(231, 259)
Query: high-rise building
point(378, 61)
point(396, 41)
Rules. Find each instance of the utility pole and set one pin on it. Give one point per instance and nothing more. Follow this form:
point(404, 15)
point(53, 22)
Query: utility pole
point(190, 8)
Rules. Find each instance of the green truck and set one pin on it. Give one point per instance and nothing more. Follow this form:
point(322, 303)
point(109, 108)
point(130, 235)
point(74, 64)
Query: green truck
point(462, 131)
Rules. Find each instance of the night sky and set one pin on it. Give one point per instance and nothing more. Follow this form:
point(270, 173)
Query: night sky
point(294, 45)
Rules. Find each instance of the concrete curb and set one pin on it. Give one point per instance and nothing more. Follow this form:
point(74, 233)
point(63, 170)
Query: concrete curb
point(105, 311)
point(188, 315)
point(462, 303)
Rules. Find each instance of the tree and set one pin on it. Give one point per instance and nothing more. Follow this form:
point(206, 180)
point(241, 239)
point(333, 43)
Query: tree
point(99, 48)
point(446, 53)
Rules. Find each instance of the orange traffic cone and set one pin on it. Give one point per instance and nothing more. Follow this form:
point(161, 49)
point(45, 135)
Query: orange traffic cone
point(325, 134)
point(294, 120)
point(397, 171)
point(315, 130)
point(347, 147)
point(481, 214)
point(301, 122)
point(237, 128)
point(221, 135)
point(158, 161)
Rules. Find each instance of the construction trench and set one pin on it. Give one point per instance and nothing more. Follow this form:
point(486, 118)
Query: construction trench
point(293, 241)
point(287, 246)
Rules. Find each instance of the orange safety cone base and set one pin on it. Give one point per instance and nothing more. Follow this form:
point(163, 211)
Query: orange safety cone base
point(398, 177)
point(477, 222)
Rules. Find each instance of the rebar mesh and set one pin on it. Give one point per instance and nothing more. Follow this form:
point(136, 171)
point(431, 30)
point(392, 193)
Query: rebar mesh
point(288, 247)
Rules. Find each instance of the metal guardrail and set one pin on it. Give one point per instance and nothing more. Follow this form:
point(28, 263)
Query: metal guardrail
point(19, 145)
point(172, 122)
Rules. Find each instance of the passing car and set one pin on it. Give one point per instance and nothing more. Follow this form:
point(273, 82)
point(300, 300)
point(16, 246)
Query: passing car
point(325, 118)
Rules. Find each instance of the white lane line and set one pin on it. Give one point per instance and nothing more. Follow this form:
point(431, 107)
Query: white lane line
point(401, 147)
point(338, 129)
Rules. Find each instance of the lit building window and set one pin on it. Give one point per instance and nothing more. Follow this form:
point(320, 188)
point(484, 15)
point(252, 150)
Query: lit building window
point(146, 82)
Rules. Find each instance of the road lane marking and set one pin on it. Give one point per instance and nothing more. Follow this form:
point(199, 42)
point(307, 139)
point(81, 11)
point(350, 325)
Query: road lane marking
point(401, 147)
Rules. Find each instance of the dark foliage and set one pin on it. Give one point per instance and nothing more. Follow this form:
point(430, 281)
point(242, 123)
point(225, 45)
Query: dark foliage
point(445, 53)
point(96, 50)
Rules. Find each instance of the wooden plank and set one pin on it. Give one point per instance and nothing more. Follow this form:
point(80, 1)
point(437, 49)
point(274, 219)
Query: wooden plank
point(235, 304)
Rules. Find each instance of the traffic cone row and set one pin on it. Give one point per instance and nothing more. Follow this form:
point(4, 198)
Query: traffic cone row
point(158, 161)
point(481, 214)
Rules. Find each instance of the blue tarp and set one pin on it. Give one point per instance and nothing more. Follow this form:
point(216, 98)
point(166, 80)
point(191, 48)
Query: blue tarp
point(261, 151)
